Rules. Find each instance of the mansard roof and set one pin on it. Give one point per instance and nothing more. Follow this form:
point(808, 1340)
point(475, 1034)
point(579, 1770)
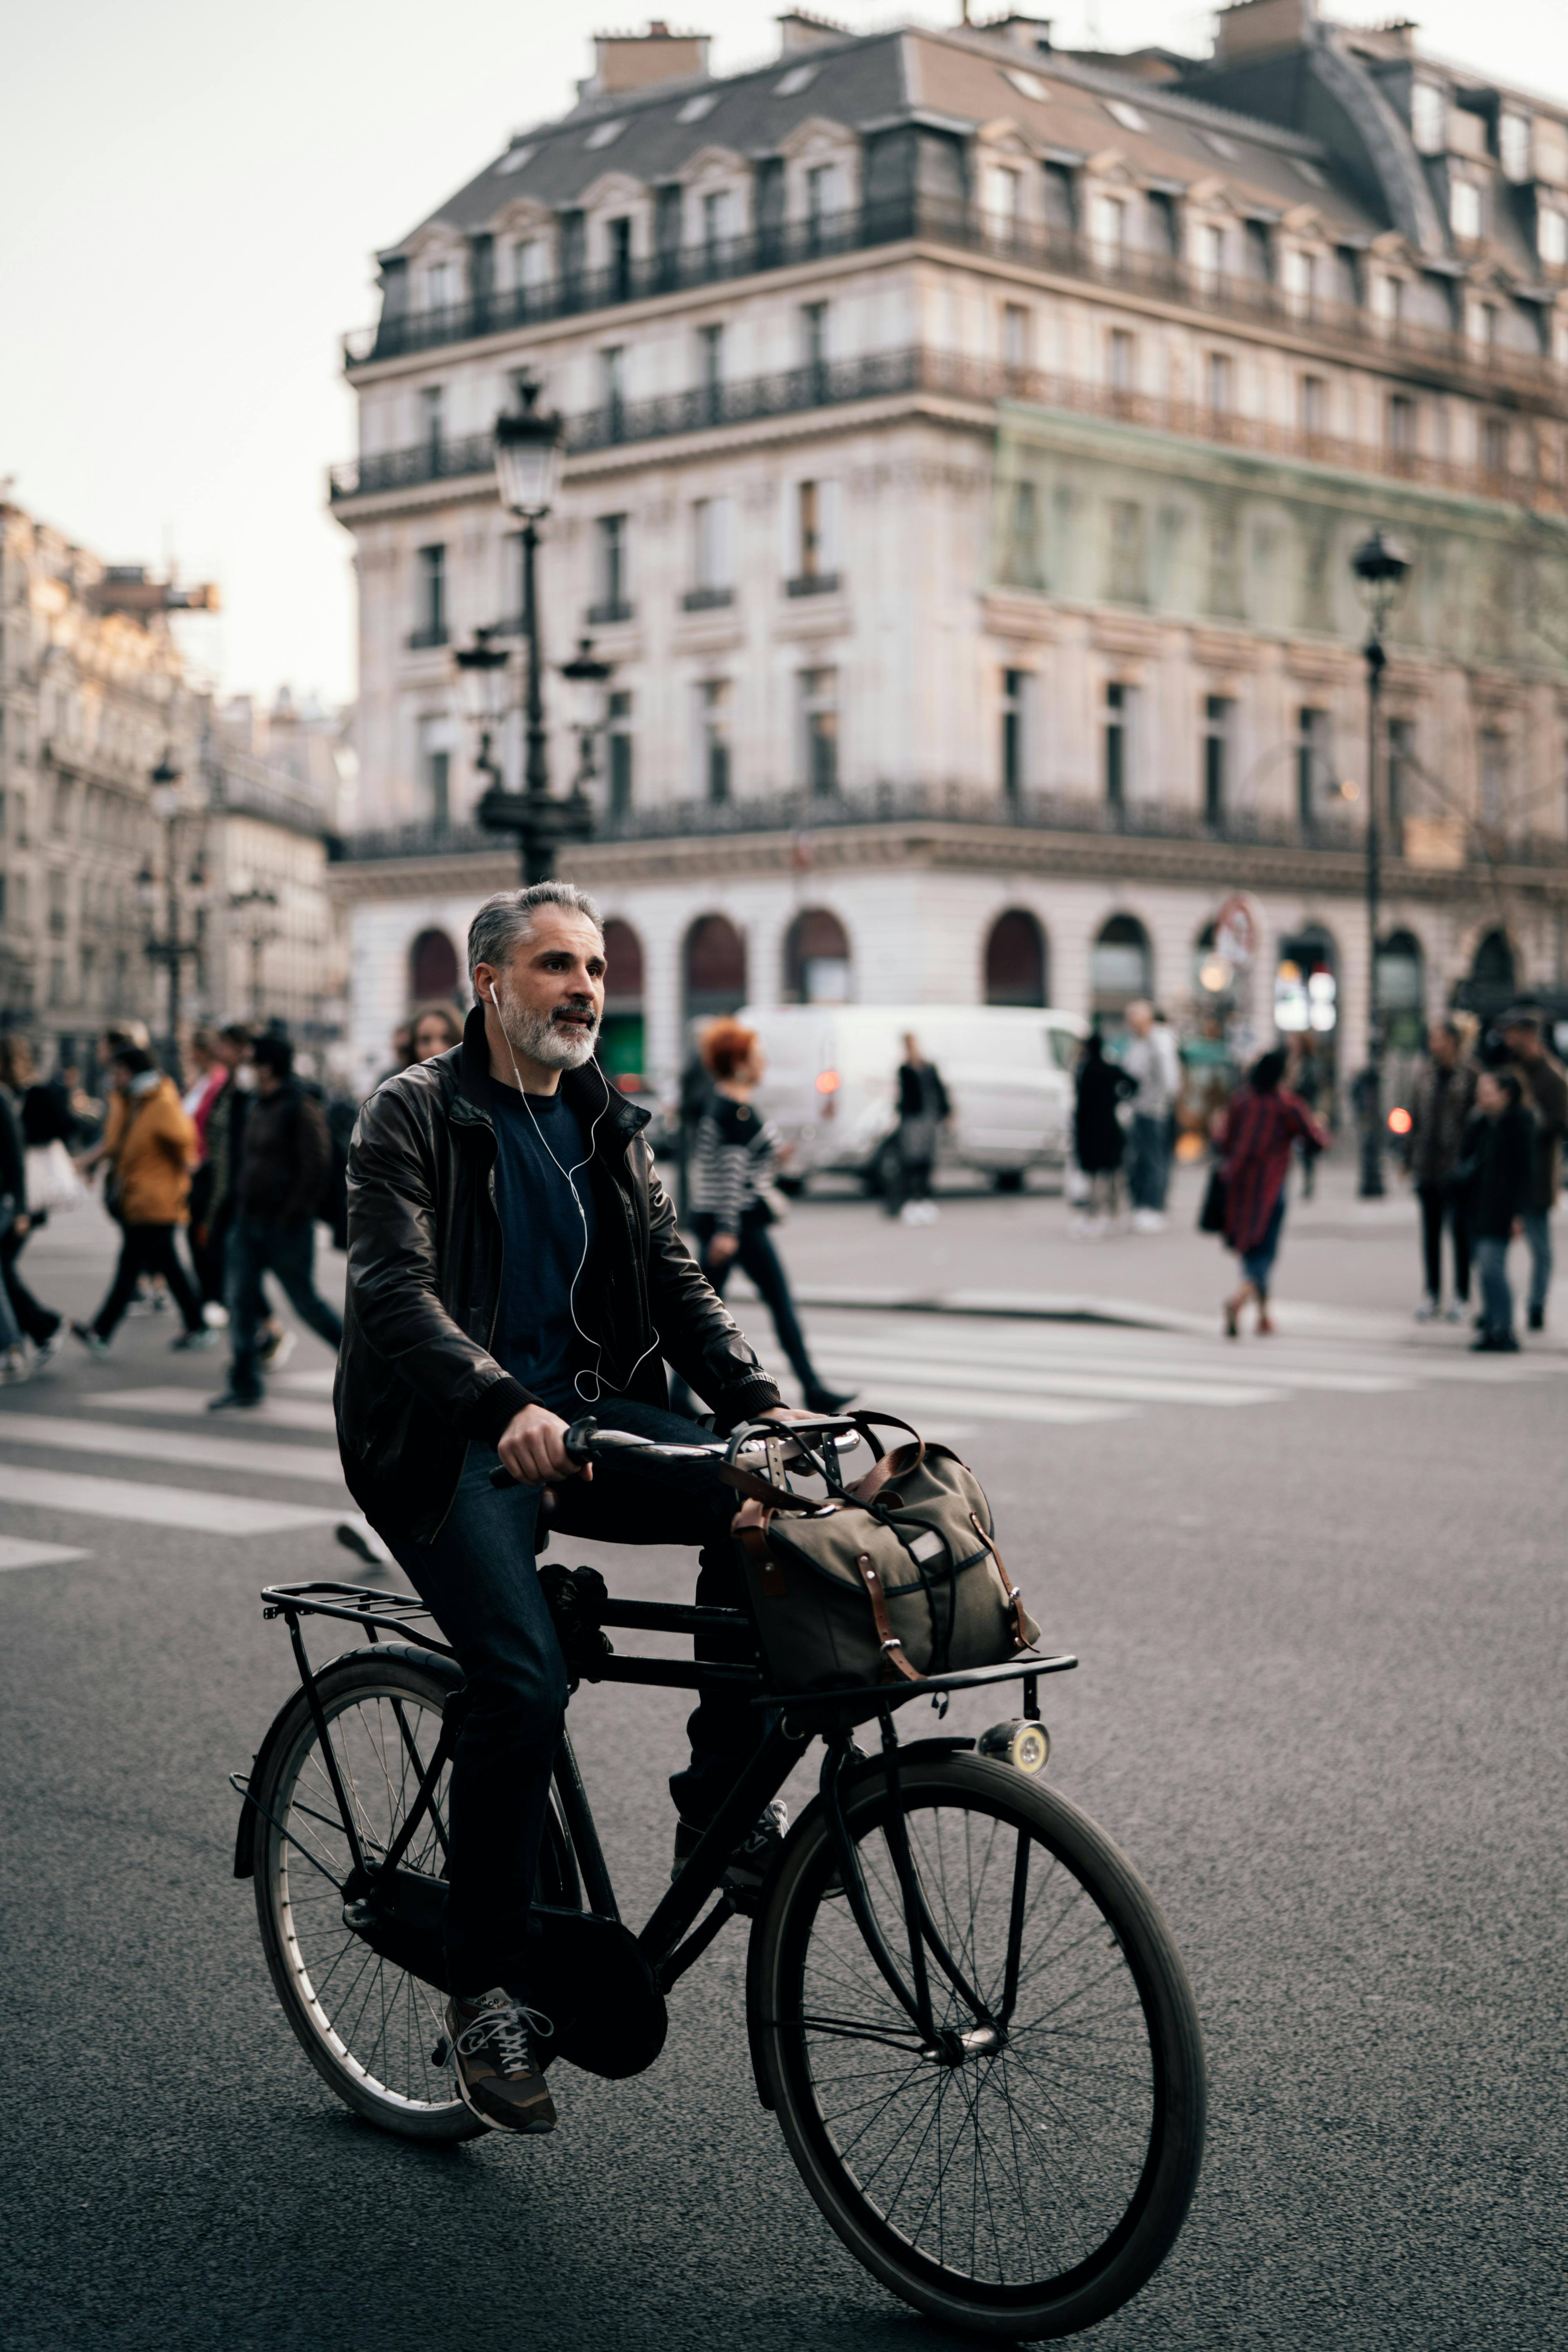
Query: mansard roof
point(956, 82)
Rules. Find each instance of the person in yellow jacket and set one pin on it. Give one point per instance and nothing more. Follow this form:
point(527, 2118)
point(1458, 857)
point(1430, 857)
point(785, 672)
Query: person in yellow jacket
point(153, 1152)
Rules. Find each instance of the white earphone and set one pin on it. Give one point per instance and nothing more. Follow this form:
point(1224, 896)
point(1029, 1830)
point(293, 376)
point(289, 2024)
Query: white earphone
point(569, 1173)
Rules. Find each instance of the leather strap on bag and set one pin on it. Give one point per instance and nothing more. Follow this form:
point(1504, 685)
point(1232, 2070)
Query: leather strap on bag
point(888, 1641)
point(1015, 1598)
point(752, 1534)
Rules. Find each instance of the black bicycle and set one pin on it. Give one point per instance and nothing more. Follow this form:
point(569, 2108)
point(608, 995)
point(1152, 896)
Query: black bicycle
point(962, 2004)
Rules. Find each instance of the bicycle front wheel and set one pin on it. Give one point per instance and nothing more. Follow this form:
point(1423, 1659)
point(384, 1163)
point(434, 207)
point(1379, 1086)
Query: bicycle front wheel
point(369, 2026)
point(1020, 2174)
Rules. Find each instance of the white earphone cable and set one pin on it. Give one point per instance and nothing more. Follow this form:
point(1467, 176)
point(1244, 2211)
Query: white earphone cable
point(569, 1173)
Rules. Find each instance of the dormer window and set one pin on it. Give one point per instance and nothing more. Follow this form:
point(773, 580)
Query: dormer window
point(1003, 201)
point(1465, 210)
point(1514, 144)
point(1208, 254)
point(1299, 274)
point(1110, 230)
point(440, 286)
point(823, 197)
point(718, 217)
point(1388, 300)
point(1428, 116)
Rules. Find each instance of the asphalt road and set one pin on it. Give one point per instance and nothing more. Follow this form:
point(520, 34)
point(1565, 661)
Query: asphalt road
point(1321, 1705)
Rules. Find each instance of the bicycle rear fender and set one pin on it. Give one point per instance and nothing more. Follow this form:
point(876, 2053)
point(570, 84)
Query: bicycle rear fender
point(915, 1751)
point(445, 1670)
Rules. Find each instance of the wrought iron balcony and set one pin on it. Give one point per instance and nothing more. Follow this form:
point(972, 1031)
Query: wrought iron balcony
point(879, 375)
point(813, 583)
point(890, 803)
point(1454, 360)
point(606, 614)
point(424, 641)
point(707, 600)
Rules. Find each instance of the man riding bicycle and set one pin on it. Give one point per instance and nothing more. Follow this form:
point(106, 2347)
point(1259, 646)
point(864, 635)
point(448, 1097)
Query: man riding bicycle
point(514, 1263)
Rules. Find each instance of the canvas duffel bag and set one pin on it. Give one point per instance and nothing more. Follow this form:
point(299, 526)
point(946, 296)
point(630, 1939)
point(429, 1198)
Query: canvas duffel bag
point(892, 1579)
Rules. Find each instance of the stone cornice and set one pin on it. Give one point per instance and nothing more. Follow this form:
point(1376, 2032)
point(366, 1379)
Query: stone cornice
point(933, 845)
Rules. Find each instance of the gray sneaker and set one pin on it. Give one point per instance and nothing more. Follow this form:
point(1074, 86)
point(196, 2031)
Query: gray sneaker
point(499, 2074)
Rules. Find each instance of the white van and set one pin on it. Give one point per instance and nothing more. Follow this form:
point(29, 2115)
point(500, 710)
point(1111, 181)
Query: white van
point(832, 1084)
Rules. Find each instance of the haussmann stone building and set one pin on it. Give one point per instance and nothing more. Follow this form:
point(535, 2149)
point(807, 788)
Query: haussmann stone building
point(966, 446)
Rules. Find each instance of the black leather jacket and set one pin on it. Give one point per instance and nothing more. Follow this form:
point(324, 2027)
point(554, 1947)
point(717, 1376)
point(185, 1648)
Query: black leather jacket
point(415, 1378)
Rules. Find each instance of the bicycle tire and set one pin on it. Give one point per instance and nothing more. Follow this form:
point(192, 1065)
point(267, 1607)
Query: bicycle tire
point(380, 2021)
point(1141, 2041)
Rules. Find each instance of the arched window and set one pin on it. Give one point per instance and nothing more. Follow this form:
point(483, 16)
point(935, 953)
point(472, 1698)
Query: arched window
point(1016, 959)
point(1493, 968)
point(1121, 966)
point(432, 967)
point(817, 959)
point(715, 968)
point(621, 1038)
point(1401, 990)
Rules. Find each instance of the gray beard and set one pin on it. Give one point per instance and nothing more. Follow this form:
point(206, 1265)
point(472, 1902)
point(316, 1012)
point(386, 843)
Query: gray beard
point(537, 1035)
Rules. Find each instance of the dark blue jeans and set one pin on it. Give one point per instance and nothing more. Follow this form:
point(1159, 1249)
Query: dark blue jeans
point(479, 1582)
point(260, 1245)
point(1146, 1170)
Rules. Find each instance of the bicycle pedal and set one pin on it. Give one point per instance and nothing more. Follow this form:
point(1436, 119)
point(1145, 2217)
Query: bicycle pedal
point(442, 2051)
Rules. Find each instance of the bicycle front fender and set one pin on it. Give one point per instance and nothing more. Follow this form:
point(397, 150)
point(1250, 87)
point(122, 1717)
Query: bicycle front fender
point(447, 1669)
point(807, 1825)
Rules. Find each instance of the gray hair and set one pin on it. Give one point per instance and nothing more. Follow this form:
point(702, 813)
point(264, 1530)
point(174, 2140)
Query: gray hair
point(503, 922)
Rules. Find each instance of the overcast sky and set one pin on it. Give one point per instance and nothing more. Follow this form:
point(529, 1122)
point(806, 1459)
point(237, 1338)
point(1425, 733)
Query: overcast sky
point(189, 199)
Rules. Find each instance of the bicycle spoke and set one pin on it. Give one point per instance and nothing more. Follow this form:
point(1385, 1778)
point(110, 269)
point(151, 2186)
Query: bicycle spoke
point(1022, 2158)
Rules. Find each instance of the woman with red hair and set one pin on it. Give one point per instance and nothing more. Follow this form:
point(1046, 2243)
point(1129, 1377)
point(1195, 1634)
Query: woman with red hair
point(733, 1200)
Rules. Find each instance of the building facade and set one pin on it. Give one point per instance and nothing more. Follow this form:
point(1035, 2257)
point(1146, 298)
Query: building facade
point(966, 447)
point(94, 701)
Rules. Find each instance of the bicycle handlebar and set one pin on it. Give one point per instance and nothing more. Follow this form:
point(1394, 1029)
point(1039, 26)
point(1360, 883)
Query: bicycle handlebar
point(585, 1441)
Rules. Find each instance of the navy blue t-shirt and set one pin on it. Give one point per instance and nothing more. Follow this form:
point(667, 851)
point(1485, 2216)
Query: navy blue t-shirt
point(544, 1239)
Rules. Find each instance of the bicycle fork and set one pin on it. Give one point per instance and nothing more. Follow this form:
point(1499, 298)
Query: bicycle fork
point(947, 2045)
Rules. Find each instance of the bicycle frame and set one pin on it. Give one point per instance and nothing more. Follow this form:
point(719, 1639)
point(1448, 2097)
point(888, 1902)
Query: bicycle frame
point(671, 1940)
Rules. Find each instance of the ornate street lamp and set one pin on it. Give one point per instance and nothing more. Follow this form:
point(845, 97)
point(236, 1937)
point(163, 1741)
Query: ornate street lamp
point(1381, 567)
point(170, 950)
point(528, 462)
point(589, 679)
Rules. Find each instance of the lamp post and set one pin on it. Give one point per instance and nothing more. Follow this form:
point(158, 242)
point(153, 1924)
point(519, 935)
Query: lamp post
point(170, 950)
point(528, 461)
point(260, 937)
point(1380, 567)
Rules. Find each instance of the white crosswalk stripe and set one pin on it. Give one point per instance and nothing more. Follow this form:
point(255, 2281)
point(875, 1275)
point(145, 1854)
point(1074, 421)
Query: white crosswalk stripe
point(1061, 1373)
point(278, 1412)
point(127, 1499)
point(54, 1432)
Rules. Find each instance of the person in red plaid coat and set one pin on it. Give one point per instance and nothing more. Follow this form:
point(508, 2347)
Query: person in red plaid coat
point(1255, 1137)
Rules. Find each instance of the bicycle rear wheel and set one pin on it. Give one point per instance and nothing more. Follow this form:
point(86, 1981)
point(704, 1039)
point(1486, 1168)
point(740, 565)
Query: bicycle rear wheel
point(368, 2025)
point(1023, 2181)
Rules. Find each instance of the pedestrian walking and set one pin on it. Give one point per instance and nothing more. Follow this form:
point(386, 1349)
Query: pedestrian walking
point(1441, 1109)
point(147, 1190)
point(923, 1111)
point(1147, 1062)
point(1544, 1086)
point(436, 1030)
point(1255, 1137)
point(734, 1195)
point(1099, 1141)
point(32, 1120)
point(402, 1053)
point(1499, 1163)
point(285, 1163)
point(14, 1364)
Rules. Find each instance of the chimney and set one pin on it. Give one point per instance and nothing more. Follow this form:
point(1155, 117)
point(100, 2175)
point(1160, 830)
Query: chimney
point(1032, 34)
point(799, 31)
point(625, 61)
point(1262, 28)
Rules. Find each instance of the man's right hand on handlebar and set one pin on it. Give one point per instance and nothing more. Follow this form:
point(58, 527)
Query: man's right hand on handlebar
point(533, 1447)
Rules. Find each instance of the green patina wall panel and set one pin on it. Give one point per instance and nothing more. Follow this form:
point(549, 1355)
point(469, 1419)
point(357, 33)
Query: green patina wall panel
point(1094, 512)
